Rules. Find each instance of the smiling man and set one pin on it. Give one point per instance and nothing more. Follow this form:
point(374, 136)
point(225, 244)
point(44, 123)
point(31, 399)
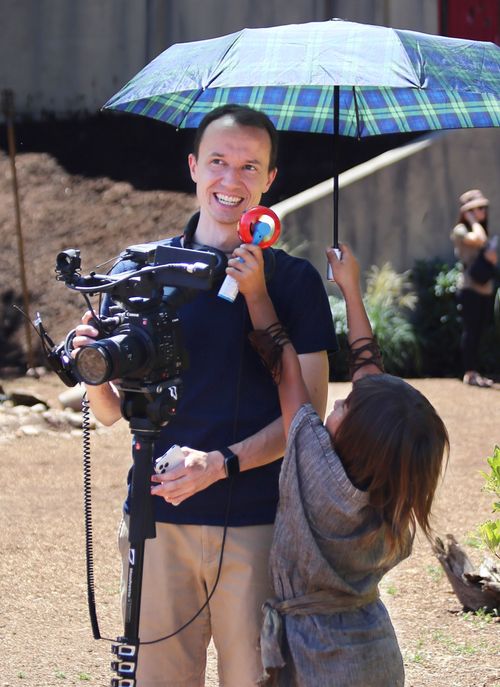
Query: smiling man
point(229, 425)
point(232, 166)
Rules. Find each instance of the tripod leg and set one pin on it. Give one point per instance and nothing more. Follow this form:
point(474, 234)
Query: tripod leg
point(141, 527)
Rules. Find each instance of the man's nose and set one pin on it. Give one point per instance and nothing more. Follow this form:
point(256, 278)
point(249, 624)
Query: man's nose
point(232, 176)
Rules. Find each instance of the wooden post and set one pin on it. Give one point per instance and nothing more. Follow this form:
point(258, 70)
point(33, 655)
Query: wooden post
point(8, 110)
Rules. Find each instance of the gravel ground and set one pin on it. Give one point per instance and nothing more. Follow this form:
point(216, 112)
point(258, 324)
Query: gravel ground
point(44, 626)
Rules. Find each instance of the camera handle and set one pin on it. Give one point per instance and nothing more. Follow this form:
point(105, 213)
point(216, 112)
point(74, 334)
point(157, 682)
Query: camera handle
point(147, 408)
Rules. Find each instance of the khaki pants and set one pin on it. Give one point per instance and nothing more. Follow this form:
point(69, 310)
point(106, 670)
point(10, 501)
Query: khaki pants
point(180, 570)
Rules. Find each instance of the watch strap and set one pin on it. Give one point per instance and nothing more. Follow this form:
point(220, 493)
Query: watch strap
point(231, 462)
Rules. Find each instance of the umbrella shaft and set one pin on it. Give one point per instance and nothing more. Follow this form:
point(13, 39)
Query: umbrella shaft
point(336, 123)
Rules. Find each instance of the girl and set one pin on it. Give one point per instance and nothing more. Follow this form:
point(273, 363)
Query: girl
point(351, 494)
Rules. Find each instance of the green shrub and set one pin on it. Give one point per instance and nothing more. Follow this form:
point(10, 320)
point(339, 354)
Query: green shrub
point(490, 530)
point(436, 319)
point(388, 300)
point(416, 319)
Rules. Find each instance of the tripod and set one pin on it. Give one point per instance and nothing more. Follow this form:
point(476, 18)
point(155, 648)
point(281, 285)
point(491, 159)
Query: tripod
point(147, 408)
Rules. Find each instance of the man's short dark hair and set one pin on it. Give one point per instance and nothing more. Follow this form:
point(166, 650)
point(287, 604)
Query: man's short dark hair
point(244, 116)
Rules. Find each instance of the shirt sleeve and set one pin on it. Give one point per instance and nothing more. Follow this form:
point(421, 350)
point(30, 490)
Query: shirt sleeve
point(316, 459)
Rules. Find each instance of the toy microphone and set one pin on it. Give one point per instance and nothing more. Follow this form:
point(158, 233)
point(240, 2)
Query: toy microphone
point(260, 226)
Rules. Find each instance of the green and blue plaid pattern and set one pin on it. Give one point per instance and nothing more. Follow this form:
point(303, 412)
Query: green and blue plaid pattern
point(399, 81)
point(381, 110)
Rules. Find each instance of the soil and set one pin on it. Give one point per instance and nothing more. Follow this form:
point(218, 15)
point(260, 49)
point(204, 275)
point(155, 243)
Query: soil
point(45, 631)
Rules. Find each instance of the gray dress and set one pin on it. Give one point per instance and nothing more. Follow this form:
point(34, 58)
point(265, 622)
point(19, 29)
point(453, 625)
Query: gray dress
point(326, 626)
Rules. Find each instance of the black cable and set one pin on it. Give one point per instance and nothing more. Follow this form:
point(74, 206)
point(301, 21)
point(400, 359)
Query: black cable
point(88, 517)
point(229, 497)
point(87, 504)
point(219, 570)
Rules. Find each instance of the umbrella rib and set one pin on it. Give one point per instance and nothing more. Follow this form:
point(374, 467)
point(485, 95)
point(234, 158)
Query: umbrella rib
point(214, 77)
point(356, 110)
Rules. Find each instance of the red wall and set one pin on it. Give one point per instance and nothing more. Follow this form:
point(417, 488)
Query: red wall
point(475, 19)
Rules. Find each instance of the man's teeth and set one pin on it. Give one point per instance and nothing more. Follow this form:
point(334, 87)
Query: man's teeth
point(227, 200)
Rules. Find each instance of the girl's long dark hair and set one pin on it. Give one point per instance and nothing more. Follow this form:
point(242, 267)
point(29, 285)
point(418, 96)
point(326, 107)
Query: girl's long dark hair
point(392, 441)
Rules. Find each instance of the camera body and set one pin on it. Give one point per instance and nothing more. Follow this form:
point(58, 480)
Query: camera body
point(138, 346)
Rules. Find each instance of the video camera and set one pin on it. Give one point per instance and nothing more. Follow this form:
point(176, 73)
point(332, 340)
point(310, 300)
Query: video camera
point(140, 339)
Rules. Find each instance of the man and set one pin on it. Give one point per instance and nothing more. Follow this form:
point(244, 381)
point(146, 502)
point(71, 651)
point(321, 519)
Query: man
point(228, 423)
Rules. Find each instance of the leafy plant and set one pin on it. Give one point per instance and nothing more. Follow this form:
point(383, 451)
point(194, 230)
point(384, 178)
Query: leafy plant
point(436, 317)
point(388, 300)
point(416, 317)
point(490, 530)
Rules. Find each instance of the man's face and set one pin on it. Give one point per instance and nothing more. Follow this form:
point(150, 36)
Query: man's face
point(231, 171)
point(480, 214)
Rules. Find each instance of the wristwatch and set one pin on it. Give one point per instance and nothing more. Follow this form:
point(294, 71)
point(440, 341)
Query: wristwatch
point(231, 462)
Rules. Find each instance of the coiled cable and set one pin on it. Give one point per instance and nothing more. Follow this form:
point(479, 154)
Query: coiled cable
point(87, 505)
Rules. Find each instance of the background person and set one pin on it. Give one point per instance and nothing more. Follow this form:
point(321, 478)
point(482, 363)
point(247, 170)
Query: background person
point(476, 288)
point(228, 423)
point(351, 494)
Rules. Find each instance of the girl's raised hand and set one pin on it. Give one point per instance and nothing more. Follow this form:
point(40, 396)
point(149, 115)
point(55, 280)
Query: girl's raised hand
point(345, 269)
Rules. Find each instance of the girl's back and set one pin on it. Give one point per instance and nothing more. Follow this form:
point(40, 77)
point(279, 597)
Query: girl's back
point(328, 556)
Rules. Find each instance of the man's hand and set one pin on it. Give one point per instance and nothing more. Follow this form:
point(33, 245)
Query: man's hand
point(199, 471)
point(85, 333)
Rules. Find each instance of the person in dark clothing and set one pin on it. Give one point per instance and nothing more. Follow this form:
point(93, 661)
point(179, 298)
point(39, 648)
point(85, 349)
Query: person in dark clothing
point(476, 293)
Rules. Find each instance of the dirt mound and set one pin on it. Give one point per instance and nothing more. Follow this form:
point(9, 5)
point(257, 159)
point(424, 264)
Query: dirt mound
point(105, 182)
point(60, 210)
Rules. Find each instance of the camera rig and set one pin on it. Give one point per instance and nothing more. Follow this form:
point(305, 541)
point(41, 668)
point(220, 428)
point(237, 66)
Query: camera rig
point(140, 349)
point(138, 339)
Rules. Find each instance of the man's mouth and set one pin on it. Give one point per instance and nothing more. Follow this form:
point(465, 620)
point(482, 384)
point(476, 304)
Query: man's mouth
point(228, 201)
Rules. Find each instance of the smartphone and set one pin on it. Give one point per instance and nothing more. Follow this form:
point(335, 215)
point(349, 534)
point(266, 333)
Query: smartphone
point(169, 460)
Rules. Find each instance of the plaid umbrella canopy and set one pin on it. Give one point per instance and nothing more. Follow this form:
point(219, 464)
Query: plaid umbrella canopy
point(336, 77)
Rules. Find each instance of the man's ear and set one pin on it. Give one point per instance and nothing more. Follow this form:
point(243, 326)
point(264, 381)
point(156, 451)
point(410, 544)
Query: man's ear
point(271, 176)
point(193, 166)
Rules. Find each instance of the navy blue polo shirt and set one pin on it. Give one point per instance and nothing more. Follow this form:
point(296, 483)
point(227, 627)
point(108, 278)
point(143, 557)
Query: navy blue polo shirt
point(227, 393)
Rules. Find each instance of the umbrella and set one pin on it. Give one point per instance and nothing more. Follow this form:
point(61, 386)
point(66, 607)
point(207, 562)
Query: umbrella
point(337, 77)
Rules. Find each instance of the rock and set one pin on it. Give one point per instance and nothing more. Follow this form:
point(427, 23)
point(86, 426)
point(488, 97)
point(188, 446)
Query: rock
point(39, 408)
point(21, 398)
point(20, 410)
point(55, 418)
point(72, 398)
point(73, 419)
point(28, 430)
point(36, 372)
point(8, 422)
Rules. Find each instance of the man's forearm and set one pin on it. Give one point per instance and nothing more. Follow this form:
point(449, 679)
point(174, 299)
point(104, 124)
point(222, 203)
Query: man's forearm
point(263, 447)
point(104, 402)
point(304, 378)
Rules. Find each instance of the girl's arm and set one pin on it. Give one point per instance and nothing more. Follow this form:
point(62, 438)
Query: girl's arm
point(291, 386)
point(292, 389)
point(359, 331)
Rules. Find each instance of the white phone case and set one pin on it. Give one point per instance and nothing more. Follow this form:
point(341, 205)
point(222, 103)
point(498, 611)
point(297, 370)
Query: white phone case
point(169, 460)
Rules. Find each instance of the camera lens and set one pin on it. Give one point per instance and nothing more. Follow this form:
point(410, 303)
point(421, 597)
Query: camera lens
point(93, 364)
